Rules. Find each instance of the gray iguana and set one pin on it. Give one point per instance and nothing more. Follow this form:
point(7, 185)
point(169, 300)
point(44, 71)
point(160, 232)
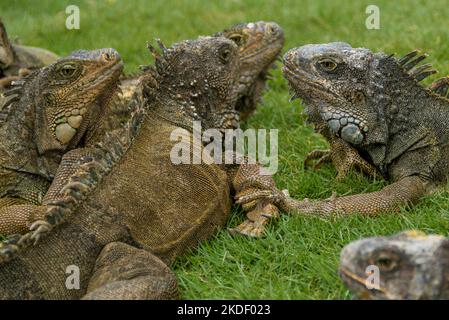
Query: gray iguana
point(345, 157)
point(260, 43)
point(409, 265)
point(375, 104)
point(17, 61)
point(50, 112)
point(116, 208)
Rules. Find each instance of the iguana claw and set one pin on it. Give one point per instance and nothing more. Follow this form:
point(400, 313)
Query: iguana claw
point(39, 227)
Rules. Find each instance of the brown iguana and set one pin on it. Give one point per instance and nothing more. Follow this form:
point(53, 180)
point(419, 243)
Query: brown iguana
point(260, 44)
point(113, 206)
point(345, 157)
point(53, 110)
point(409, 265)
point(17, 61)
point(374, 103)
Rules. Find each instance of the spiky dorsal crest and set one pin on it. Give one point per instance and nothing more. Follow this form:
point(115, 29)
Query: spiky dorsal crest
point(13, 95)
point(410, 63)
point(81, 184)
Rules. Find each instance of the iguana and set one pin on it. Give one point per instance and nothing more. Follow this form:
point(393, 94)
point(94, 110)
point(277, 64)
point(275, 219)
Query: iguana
point(260, 44)
point(114, 207)
point(345, 157)
point(50, 112)
point(374, 103)
point(17, 61)
point(409, 265)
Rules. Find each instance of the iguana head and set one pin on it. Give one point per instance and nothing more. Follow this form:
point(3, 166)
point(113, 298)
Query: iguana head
point(70, 95)
point(6, 51)
point(260, 43)
point(200, 77)
point(410, 265)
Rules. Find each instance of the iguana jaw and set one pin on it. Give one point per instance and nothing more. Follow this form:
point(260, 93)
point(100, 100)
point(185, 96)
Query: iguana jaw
point(325, 93)
point(102, 83)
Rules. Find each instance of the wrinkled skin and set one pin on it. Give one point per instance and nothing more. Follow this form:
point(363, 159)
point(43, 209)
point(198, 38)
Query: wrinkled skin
point(123, 207)
point(260, 44)
point(375, 103)
point(55, 110)
point(411, 266)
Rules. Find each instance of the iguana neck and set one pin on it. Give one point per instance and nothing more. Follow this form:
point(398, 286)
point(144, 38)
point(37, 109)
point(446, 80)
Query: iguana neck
point(414, 119)
point(183, 109)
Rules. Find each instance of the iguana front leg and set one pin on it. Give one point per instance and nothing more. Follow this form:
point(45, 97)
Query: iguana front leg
point(343, 156)
point(390, 198)
point(247, 180)
point(18, 214)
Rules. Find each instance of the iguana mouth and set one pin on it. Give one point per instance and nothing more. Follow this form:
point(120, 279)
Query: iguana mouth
point(344, 124)
point(348, 275)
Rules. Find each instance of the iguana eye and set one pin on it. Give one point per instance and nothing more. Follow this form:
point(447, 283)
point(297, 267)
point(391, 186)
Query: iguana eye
point(238, 39)
point(225, 54)
point(328, 64)
point(386, 262)
point(67, 70)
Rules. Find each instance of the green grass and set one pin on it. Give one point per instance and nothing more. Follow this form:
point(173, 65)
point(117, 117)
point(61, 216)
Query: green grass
point(298, 257)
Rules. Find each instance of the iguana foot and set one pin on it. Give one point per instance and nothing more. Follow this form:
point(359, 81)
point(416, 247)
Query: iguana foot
point(323, 156)
point(257, 219)
point(344, 157)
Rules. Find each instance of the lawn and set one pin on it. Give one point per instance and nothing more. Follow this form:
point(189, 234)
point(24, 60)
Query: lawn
point(298, 257)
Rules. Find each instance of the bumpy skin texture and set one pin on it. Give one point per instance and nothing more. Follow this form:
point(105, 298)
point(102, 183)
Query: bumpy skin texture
point(118, 209)
point(375, 103)
point(17, 61)
point(345, 157)
point(49, 113)
point(411, 266)
point(260, 44)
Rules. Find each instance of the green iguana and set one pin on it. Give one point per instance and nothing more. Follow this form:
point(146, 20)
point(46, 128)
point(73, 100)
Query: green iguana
point(114, 207)
point(17, 61)
point(409, 265)
point(50, 112)
point(260, 44)
point(374, 103)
